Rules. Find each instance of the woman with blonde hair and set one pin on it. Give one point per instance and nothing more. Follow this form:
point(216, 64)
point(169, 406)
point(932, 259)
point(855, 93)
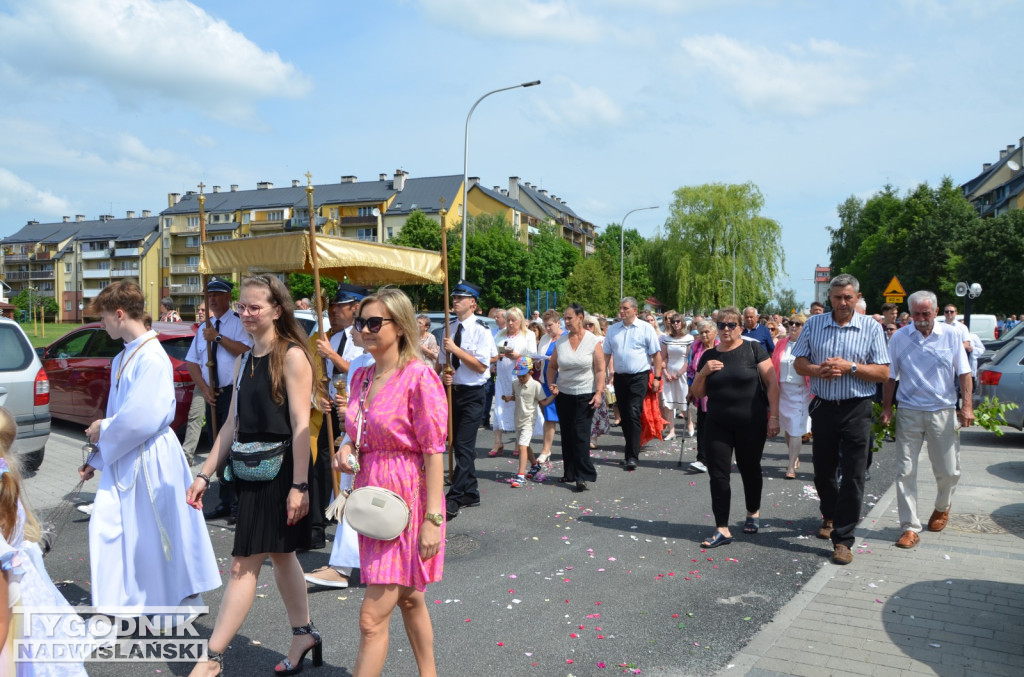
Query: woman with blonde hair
point(512, 344)
point(398, 415)
point(269, 411)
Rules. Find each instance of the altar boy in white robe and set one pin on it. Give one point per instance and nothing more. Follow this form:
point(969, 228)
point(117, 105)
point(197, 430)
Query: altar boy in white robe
point(147, 548)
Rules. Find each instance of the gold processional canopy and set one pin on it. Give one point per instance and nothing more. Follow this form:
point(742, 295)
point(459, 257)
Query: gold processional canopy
point(365, 263)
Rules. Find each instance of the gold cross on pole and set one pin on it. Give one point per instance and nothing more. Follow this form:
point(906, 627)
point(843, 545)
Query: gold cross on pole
point(201, 186)
point(309, 179)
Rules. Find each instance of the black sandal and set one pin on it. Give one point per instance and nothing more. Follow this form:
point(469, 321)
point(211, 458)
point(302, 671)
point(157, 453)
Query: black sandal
point(216, 657)
point(718, 539)
point(317, 648)
point(752, 525)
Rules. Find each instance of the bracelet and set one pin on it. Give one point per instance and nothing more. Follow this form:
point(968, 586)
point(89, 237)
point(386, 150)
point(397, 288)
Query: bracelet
point(205, 477)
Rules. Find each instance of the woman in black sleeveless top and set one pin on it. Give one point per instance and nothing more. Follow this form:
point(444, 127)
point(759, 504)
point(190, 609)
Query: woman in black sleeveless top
point(739, 380)
point(274, 386)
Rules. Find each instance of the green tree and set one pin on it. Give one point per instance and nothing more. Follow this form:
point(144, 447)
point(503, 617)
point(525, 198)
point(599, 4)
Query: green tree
point(552, 260)
point(706, 225)
point(783, 303)
point(25, 298)
point(636, 280)
point(422, 232)
point(592, 285)
point(496, 260)
point(301, 286)
point(990, 257)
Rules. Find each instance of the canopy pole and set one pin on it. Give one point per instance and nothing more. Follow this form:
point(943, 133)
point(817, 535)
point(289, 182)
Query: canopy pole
point(210, 345)
point(318, 309)
point(447, 334)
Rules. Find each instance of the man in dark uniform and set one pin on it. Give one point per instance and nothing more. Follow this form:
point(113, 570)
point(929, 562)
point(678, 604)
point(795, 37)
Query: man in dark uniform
point(213, 374)
point(467, 351)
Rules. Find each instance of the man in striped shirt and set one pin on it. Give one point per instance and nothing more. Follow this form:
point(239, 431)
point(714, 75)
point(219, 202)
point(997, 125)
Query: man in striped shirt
point(845, 355)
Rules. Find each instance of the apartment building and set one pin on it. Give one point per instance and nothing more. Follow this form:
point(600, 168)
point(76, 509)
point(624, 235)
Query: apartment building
point(999, 187)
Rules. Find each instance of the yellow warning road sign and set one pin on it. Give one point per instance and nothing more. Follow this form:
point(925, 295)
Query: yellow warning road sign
point(894, 289)
point(894, 299)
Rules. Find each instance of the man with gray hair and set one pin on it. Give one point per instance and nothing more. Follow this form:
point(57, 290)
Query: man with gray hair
point(928, 358)
point(755, 331)
point(634, 346)
point(844, 354)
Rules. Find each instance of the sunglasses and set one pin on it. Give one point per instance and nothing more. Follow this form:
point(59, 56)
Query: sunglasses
point(950, 312)
point(677, 321)
point(890, 329)
point(374, 324)
point(796, 324)
point(728, 325)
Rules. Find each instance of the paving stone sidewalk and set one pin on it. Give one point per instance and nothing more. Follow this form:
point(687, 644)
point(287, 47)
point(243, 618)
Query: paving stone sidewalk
point(952, 606)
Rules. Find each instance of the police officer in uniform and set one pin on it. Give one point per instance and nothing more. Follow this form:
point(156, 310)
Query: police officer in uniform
point(230, 340)
point(468, 351)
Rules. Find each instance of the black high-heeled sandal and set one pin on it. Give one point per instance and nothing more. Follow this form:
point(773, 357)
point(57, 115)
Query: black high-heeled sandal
point(317, 648)
point(215, 657)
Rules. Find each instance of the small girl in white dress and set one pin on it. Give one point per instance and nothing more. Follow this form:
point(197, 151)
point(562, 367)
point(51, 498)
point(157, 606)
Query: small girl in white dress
point(25, 584)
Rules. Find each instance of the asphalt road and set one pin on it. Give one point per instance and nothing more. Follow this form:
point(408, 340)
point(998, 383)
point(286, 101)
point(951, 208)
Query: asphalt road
point(541, 580)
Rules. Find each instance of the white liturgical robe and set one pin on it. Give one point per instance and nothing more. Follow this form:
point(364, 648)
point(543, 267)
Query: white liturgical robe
point(147, 546)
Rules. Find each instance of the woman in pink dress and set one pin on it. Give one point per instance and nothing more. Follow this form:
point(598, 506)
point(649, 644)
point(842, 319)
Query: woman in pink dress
point(400, 409)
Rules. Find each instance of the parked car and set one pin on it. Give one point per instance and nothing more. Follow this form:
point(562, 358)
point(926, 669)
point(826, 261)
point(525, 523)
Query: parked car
point(982, 325)
point(1003, 377)
point(78, 365)
point(991, 347)
point(307, 320)
point(25, 392)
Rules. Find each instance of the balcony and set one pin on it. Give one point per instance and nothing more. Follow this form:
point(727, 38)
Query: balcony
point(266, 226)
point(11, 258)
point(91, 293)
point(183, 250)
point(40, 275)
point(355, 221)
point(16, 277)
point(124, 272)
point(180, 289)
point(94, 254)
point(42, 256)
point(126, 251)
point(96, 274)
point(184, 269)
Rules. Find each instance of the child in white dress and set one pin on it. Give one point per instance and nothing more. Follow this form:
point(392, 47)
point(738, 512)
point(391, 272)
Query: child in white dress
point(25, 584)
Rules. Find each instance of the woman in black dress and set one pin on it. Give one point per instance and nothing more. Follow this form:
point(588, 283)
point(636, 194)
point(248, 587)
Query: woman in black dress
point(274, 383)
point(739, 380)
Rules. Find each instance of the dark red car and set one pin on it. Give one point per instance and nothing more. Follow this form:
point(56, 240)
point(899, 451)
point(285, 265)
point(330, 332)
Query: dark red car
point(78, 366)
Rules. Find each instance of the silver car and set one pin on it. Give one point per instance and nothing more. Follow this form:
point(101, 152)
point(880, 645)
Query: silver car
point(1003, 377)
point(25, 392)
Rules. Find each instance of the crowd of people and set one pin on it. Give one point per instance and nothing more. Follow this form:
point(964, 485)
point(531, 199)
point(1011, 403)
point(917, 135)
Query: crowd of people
point(277, 403)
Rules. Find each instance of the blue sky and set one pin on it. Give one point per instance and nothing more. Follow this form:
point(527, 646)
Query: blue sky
point(108, 105)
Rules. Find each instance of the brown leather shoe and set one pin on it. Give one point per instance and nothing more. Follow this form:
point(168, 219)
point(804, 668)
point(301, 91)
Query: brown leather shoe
point(908, 540)
point(842, 555)
point(938, 520)
point(825, 530)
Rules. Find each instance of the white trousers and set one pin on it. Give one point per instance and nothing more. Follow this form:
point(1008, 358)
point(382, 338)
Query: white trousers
point(913, 428)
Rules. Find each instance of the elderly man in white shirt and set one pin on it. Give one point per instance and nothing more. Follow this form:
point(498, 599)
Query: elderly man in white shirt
point(929, 359)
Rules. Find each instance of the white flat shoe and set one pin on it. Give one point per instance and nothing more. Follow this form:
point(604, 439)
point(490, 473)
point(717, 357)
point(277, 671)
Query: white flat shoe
point(670, 436)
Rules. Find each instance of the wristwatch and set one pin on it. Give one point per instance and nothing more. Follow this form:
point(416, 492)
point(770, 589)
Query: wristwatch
point(435, 517)
point(218, 338)
point(853, 367)
point(304, 487)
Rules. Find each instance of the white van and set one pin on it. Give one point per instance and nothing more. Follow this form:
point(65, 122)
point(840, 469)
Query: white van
point(982, 325)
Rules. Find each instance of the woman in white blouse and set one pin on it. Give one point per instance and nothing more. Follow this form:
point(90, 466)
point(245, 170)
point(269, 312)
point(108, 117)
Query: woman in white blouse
point(576, 375)
point(512, 343)
point(794, 394)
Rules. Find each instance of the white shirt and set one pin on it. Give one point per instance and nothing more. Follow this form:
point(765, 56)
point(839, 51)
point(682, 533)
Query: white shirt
point(478, 342)
point(632, 346)
point(787, 373)
point(927, 367)
point(576, 367)
point(230, 328)
point(351, 352)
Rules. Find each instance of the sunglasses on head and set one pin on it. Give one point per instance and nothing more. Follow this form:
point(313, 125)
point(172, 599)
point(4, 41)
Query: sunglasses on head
point(728, 325)
point(374, 324)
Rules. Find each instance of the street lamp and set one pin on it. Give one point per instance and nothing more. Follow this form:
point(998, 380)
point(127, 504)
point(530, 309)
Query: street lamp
point(622, 246)
point(733, 283)
point(465, 171)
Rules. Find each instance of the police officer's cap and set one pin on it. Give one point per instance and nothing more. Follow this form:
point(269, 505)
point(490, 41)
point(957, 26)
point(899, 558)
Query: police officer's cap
point(350, 293)
point(464, 288)
point(219, 285)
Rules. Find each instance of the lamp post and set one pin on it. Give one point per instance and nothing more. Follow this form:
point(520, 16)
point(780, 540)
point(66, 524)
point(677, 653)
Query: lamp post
point(622, 247)
point(733, 283)
point(465, 172)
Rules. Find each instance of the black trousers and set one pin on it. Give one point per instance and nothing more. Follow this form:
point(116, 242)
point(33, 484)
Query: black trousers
point(321, 486)
point(747, 439)
point(489, 397)
point(575, 418)
point(844, 424)
point(223, 408)
point(630, 391)
point(702, 417)
point(467, 414)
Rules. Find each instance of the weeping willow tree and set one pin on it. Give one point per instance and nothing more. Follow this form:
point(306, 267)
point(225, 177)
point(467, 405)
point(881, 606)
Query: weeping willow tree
point(692, 256)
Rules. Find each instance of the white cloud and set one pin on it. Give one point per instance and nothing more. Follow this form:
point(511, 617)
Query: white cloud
point(581, 107)
point(537, 20)
point(802, 79)
point(171, 47)
point(952, 10)
point(15, 192)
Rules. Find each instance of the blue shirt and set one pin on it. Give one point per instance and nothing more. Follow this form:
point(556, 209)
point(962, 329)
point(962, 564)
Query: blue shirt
point(861, 341)
point(762, 335)
point(632, 346)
